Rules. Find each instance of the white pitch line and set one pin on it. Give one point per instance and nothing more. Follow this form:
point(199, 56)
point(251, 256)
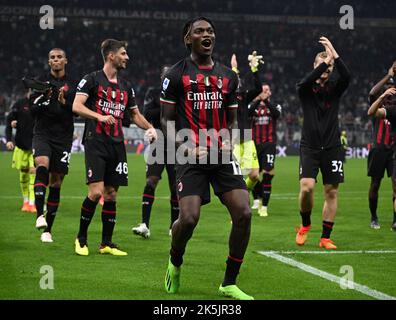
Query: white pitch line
point(328, 276)
point(333, 252)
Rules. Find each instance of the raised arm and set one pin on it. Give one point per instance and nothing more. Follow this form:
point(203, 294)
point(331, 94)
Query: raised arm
point(345, 76)
point(376, 109)
point(377, 89)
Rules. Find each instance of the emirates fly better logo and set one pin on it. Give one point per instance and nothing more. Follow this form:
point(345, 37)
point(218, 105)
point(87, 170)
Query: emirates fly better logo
point(206, 99)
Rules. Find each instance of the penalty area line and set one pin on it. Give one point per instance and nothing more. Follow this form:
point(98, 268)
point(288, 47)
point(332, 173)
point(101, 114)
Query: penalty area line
point(328, 276)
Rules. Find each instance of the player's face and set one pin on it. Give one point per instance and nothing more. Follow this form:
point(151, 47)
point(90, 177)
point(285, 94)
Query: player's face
point(202, 38)
point(325, 75)
point(57, 60)
point(267, 90)
point(120, 58)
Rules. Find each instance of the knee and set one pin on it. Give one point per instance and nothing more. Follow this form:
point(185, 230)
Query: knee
point(56, 184)
point(56, 180)
point(151, 183)
point(110, 195)
point(306, 189)
point(95, 194)
point(244, 217)
point(188, 222)
point(331, 194)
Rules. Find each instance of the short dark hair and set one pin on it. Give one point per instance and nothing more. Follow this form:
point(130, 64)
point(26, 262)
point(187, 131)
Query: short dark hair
point(111, 45)
point(188, 25)
point(57, 49)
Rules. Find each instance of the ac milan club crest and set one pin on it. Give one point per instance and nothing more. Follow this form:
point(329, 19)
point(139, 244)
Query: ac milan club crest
point(219, 83)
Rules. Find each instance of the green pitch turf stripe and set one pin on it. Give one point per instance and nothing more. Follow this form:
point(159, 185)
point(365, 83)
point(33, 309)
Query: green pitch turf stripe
point(328, 276)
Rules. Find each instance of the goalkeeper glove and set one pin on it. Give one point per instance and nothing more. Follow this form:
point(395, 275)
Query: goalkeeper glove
point(255, 60)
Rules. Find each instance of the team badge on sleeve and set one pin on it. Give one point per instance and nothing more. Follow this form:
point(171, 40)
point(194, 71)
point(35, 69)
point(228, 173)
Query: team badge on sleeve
point(165, 84)
point(81, 84)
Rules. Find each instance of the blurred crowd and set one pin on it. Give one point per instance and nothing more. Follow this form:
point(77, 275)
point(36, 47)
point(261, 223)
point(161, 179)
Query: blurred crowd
point(288, 50)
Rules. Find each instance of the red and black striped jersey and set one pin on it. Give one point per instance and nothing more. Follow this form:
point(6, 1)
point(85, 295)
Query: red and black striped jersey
point(201, 96)
point(106, 98)
point(264, 117)
point(383, 135)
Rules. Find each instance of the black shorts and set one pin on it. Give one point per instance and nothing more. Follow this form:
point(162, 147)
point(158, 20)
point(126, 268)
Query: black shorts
point(379, 160)
point(266, 154)
point(155, 167)
point(58, 153)
point(194, 179)
point(329, 161)
point(106, 162)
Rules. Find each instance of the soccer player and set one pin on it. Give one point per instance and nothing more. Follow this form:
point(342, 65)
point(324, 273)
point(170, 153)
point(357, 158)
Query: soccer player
point(199, 96)
point(320, 146)
point(384, 108)
point(52, 139)
point(152, 110)
point(245, 151)
point(102, 98)
point(380, 155)
point(21, 118)
point(265, 114)
point(344, 143)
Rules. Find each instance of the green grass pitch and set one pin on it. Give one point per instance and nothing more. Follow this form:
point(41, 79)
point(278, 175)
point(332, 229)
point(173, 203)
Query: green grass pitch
point(140, 274)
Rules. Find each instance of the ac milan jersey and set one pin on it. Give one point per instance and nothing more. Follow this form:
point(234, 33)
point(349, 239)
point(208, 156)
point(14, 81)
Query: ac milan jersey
point(106, 98)
point(321, 105)
point(265, 116)
point(55, 121)
point(201, 96)
point(382, 130)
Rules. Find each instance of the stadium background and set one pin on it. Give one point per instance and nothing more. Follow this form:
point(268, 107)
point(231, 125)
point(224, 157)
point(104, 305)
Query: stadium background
point(285, 32)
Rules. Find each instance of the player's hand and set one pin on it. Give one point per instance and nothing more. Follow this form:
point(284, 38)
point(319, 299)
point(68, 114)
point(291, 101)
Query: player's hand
point(255, 60)
point(264, 96)
point(199, 152)
point(14, 123)
point(329, 47)
point(392, 69)
point(390, 92)
point(106, 119)
point(151, 134)
point(234, 63)
point(10, 145)
point(61, 96)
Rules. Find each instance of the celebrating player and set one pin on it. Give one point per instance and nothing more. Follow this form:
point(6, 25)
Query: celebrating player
point(102, 98)
point(52, 139)
point(384, 108)
point(245, 151)
point(22, 120)
point(380, 155)
point(320, 146)
point(199, 94)
point(152, 110)
point(265, 114)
